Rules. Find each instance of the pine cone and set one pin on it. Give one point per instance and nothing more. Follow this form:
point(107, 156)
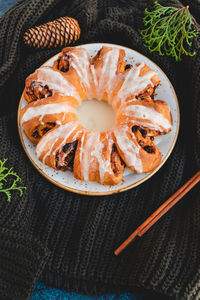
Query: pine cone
point(60, 32)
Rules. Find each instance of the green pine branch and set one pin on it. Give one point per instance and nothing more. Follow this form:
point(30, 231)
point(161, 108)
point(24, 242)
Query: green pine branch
point(169, 30)
point(5, 173)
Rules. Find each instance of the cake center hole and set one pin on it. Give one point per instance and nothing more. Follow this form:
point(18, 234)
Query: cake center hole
point(96, 115)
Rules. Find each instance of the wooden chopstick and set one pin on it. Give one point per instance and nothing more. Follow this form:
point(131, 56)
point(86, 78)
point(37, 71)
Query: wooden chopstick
point(149, 222)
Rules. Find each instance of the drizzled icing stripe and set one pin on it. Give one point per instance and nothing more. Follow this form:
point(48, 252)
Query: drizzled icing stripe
point(88, 141)
point(55, 81)
point(108, 72)
point(47, 109)
point(63, 131)
point(97, 153)
point(49, 152)
point(64, 141)
point(129, 148)
point(94, 78)
point(91, 143)
point(81, 64)
point(92, 149)
point(134, 83)
point(112, 78)
point(149, 114)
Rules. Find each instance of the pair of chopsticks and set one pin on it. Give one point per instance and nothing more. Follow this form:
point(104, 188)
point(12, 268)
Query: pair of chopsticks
point(149, 222)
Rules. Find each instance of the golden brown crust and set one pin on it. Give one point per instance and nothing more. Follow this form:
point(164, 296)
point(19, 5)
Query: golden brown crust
point(147, 153)
point(69, 63)
point(54, 153)
point(98, 59)
point(155, 105)
point(94, 156)
point(150, 154)
point(34, 91)
point(148, 91)
point(38, 125)
point(98, 62)
point(99, 161)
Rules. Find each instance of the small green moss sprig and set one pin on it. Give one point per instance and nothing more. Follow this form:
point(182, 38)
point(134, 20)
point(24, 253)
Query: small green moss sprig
point(170, 30)
point(4, 174)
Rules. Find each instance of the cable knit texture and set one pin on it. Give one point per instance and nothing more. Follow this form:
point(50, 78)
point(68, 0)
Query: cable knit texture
point(81, 232)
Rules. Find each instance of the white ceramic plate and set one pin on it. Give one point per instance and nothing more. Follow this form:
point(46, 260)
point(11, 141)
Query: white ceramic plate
point(165, 143)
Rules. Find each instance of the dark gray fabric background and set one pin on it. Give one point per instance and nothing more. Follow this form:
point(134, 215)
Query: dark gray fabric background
point(67, 240)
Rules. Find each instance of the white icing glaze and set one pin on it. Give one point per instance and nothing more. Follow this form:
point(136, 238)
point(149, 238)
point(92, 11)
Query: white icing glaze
point(91, 146)
point(129, 148)
point(97, 153)
point(65, 140)
point(94, 77)
point(133, 83)
point(87, 141)
point(91, 149)
point(148, 114)
point(81, 153)
point(108, 78)
point(96, 115)
point(55, 81)
point(82, 66)
point(49, 152)
point(46, 109)
point(130, 101)
point(63, 131)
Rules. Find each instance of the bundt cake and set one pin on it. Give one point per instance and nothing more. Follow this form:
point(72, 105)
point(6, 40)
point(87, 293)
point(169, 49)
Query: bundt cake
point(50, 119)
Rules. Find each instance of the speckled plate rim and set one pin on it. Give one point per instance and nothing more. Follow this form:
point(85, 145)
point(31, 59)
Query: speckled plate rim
point(119, 190)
